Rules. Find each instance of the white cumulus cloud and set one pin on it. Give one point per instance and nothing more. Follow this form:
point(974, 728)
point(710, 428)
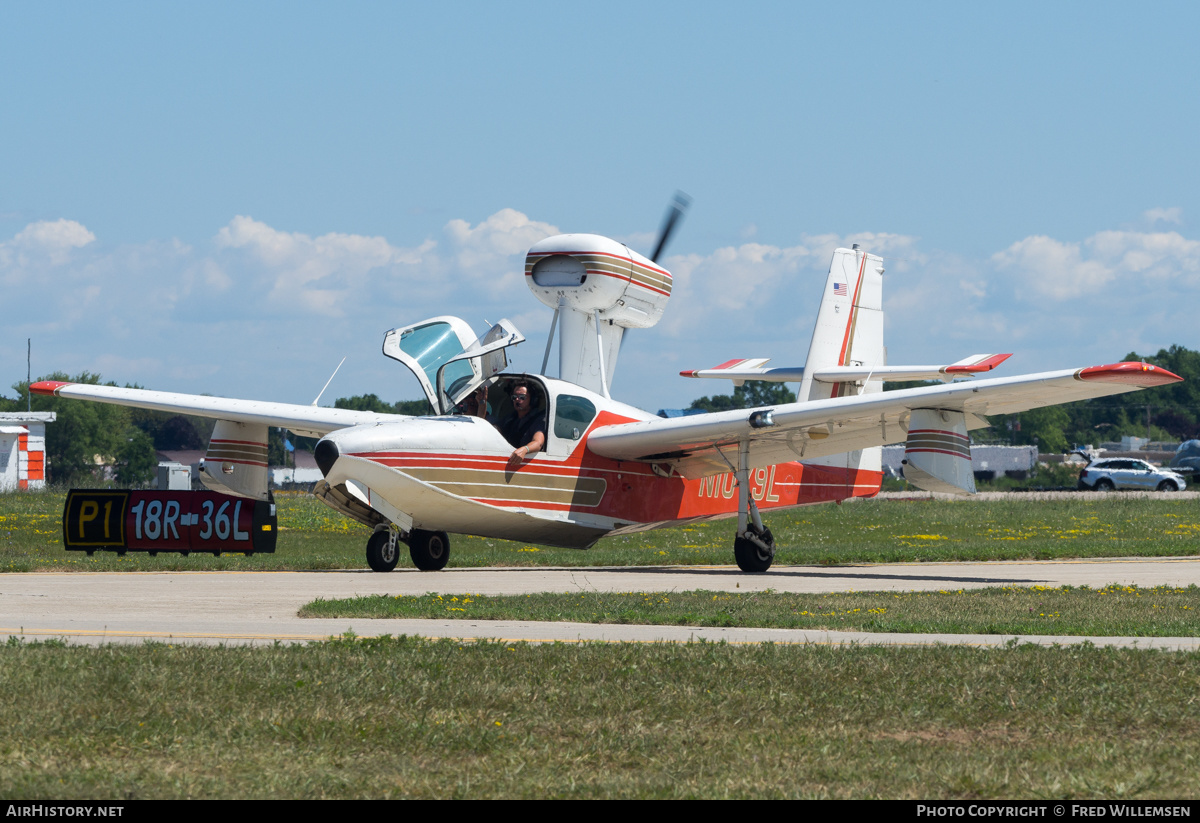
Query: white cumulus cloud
point(492, 253)
point(771, 281)
point(54, 235)
point(1171, 215)
point(46, 240)
point(317, 274)
point(1052, 269)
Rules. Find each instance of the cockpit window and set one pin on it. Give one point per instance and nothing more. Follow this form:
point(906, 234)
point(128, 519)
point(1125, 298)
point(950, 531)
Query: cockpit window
point(432, 345)
point(572, 415)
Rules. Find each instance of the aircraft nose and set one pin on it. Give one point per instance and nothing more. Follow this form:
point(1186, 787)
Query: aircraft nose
point(326, 454)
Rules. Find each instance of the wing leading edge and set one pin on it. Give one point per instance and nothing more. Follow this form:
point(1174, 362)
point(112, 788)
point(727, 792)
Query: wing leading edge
point(306, 421)
point(795, 431)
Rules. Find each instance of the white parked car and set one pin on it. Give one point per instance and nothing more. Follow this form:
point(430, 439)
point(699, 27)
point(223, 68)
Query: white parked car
point(1128, 473)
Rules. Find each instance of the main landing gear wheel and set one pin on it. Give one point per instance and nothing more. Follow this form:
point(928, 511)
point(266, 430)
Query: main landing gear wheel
point(430, 551)
point(752, 557)
point(382, 552)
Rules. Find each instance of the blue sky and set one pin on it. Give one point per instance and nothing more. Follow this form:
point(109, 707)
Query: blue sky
point(229, 198)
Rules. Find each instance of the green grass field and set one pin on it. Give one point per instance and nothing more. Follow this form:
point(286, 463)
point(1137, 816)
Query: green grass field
point(413, 718)
point(1114, 611)
point(314, 537)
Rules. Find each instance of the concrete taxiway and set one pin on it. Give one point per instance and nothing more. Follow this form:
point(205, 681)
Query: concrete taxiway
point(261, 607)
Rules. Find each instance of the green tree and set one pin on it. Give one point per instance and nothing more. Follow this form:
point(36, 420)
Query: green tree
point(749, 395)
point(136, 461)
point(171, 432)
point(84, 436)
point(413, 408)
point(372, 403)
point(364, 402)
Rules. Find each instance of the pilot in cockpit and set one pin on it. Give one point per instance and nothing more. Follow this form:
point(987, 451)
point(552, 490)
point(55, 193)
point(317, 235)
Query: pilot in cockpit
point(475, 405)
point(524, 428)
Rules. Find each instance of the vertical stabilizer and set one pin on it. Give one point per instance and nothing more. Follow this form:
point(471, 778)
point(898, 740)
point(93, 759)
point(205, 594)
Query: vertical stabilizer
point(849, 332)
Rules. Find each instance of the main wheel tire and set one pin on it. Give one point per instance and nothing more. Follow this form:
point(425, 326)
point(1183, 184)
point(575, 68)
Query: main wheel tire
point(382, 553)
point(1103, 485)
point(430, 551)
point(750, 556)
point(1168, 486)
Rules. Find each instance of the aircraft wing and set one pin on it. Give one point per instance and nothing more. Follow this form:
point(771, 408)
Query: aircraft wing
point(694, 445)
point(306, 421)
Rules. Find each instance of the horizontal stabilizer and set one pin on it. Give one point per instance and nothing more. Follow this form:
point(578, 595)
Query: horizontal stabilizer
point(740, 371)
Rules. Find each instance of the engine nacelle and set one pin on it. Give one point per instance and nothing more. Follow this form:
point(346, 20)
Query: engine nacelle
point(589, 273)
point(600, 288)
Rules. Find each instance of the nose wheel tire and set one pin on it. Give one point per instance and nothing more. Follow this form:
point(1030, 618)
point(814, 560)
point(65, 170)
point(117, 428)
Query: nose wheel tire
point(430, 551)
point(382, 551)
point(752, 557)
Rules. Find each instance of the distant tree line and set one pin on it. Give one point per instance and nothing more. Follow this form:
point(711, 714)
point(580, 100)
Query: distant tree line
point(1169, 413)
point(87, 436)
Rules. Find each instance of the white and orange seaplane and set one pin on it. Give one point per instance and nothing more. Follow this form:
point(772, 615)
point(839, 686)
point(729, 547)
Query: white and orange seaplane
point(607, 468)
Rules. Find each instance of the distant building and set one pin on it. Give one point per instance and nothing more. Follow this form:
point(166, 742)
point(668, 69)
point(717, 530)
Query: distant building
point(301, 475)
point(23, 449)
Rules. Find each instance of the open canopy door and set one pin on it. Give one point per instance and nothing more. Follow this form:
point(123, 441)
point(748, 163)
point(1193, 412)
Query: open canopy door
point(446, 357)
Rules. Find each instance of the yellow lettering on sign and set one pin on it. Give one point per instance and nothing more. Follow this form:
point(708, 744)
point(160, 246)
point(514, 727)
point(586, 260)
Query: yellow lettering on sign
point(709, 486)
point(728, 485)
point(87, 513)
point(107, 513)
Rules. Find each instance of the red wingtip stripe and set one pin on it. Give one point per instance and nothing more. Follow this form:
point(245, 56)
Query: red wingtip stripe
point(688, 373)
point(48, 387)
point(729, 364)
point(983, 365)
point(1136, 374)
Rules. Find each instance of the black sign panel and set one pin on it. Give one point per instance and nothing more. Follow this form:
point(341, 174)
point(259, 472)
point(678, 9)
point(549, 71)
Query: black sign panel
point(167, 521)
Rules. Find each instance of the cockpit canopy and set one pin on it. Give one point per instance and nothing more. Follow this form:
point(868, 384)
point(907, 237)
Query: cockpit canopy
point(446, 357)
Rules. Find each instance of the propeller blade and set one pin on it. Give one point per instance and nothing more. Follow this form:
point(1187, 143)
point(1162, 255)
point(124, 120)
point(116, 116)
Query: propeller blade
point(676, 211)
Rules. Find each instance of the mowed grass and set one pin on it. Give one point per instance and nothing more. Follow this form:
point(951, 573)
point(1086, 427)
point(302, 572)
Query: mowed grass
point(1113, 611)
point(314, 537)
point(412, 718)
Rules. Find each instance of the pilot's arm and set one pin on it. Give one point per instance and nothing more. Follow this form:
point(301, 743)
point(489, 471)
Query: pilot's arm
point(480, 395)
point(535, 445)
